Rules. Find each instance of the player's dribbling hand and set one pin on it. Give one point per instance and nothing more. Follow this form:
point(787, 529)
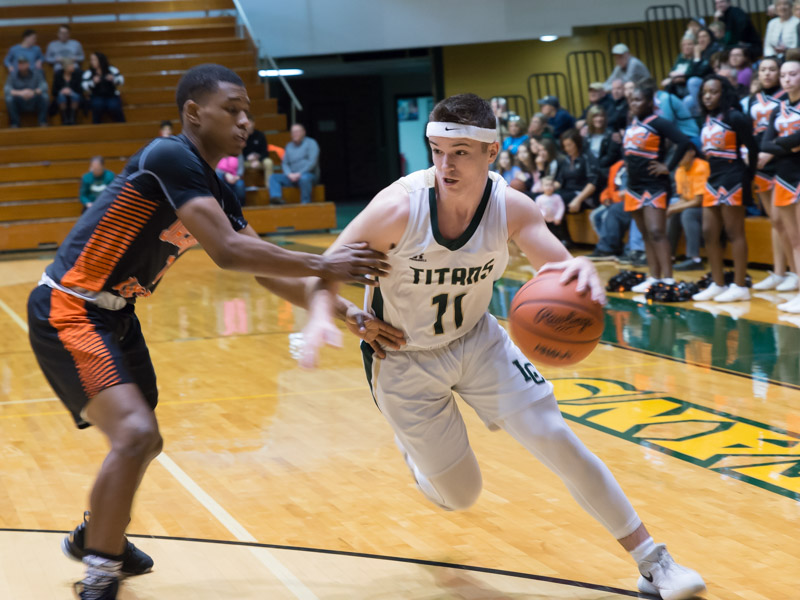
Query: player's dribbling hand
point(376, 333)
point(353, 262)
point(582, 269)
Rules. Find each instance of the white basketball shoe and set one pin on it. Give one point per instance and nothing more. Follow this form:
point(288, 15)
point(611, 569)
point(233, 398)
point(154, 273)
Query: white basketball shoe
point(662, 576)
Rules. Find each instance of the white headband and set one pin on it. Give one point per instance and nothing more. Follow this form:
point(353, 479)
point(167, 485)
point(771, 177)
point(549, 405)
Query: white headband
point(456, 130)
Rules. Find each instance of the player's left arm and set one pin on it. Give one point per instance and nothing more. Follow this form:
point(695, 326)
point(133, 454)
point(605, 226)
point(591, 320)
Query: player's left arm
point(299, 291)
point(527, 228)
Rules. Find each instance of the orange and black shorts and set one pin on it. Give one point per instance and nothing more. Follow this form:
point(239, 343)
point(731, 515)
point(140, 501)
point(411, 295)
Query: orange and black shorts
point(636, 201)
point(785, 194)
point(83, 349)
point(720, 196)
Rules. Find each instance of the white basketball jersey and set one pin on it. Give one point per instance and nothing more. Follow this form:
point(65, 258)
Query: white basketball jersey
point(439, 289)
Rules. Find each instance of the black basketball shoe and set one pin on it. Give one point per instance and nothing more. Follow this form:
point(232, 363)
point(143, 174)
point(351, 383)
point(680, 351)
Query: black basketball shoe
point(134, 561)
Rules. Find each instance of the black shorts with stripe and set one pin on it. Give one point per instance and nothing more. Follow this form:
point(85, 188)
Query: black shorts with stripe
point(83, 349)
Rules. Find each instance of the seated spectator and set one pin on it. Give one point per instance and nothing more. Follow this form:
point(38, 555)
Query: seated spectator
point(721, 37)
point(558, 118)
point(165, 129)
point(529, 173)
point(101, 81)
point(618, 116)
point(616, 222)
point(505, 166)
point(600, 143)
point(547, 159)
point(671, 108)
point(26, 48)
point(26, 92)
point(94, 182)
point(732, 75)
point(67, 90)
point(515, 135)
point(300, 167)
point(538, 128)
point(675, 83)
point(552, 207)
point(628, 68)
point(500, 109)
point(707, 46)
point(685, 210)
point(782, 30)
point(231, 170)
point(256, 151)
point(738, 26)
point(62, 48)
point(597, 97)
point(577, 173)
point(694, 25)
point(739, 60)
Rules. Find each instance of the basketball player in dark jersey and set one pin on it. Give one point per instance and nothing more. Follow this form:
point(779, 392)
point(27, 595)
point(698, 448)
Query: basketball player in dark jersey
point(781, 144)
point(83, 327)
point(729, 186)
point(645, 150)
point(760, 106)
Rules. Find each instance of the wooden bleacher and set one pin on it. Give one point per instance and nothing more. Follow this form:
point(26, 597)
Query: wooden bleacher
point(40, 168)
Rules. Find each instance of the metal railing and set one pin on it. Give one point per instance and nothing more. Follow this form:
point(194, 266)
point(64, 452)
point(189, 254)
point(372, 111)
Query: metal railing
point(550, 84)
point(666, 25)
point(246, 22)
point(583, 68)
point(517, 104)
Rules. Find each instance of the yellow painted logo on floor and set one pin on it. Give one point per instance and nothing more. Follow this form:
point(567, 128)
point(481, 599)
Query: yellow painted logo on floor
point(752, 452)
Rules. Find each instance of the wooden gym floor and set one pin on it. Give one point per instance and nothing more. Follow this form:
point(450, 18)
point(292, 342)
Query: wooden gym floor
point(281, 483)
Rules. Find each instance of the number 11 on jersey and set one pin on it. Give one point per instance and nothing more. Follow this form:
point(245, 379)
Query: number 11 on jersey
point(441, 302)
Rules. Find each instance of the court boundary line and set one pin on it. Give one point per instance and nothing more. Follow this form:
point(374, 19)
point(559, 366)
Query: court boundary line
point(400, 559)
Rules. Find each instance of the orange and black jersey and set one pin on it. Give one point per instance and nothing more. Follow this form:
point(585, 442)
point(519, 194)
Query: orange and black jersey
point(723, 135)
point(646, 141)
point(783, 134)
point(131, 235)
point(760, 107)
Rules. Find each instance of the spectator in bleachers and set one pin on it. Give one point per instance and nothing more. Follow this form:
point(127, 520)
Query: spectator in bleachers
point(526, 161)
point(165, 129)
point(62, 48)
point(26, 92)
point(500, 108)
point(739, 28)
point(538, 128)
point(577, 173)
point(738, 59)
point(67, 90)
point(729, 187)
point(515, 135)
point(628, 68)
point(707, 46)
point(26, 48)
point(547, 159)
point(256, 151)
point(676, 82)
point(695, 25)
point(557, 118)
point(552, 206)
point(685, 210)
point(618, 115)
point(600, 143)
point(300, 167)
point(732, 75)
point(231, 170)
point(649, 184)
point(597, 97)
point(505, 166)
point(94, 182)
point(102, 81)
point(671, 108)
point(782, 30)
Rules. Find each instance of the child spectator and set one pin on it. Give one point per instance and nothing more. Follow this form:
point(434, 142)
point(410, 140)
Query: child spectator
point(506, 166)
point(67, 90)
point(231, 170)
point(552, 207)
point(94, 182)
point(515, 135)
point(102, 81)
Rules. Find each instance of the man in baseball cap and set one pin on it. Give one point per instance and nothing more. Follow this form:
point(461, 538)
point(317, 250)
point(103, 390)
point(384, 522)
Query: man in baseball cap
point(558, 118)
point(629, 68)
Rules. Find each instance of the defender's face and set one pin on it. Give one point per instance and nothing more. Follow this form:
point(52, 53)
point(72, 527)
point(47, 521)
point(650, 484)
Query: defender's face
point(461, 162)
point(222, 118)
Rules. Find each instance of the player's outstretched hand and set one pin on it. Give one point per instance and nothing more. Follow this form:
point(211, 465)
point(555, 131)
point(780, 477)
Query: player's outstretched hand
point(319, 331)
point(582, 269)
point(353, 262)
point(376, 333)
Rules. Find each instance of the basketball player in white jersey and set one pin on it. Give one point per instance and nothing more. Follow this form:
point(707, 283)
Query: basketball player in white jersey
point(446, 232)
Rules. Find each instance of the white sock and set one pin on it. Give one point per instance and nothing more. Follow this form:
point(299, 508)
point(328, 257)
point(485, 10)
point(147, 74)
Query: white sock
point(100, 571)
point(668, 280)
point(643, 550)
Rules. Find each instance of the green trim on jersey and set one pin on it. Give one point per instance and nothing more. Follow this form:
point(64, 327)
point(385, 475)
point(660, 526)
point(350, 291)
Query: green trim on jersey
point(461, 240)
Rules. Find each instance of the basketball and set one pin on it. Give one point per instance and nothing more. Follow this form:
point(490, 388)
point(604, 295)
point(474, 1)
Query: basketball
point(552, 323)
